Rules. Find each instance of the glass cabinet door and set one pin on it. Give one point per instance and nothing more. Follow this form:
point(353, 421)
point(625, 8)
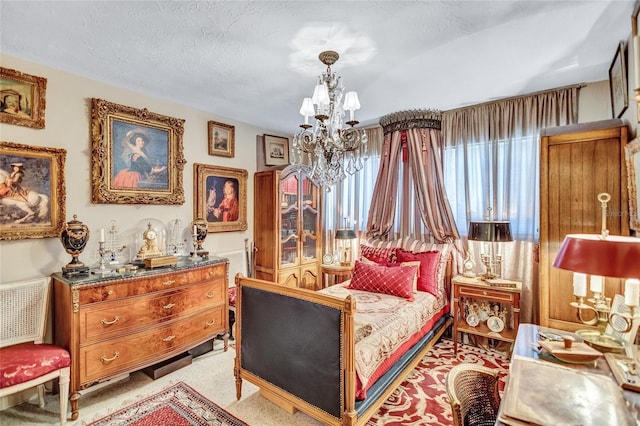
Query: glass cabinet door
point(289, 209)
point(310, 220)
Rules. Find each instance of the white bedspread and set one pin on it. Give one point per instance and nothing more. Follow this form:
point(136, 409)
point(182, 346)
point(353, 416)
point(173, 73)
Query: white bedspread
point(383, 323)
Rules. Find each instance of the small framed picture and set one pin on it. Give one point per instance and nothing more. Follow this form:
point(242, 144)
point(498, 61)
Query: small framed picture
point(276, 150)
point(22, 98)
point(221, 139)
point(618, 83)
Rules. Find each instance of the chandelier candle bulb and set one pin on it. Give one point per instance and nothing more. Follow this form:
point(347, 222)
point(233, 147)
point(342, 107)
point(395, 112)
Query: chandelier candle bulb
point(596, 284)
point(632, 292)
point(579, 284)
point(102, 240)
point(195, 230)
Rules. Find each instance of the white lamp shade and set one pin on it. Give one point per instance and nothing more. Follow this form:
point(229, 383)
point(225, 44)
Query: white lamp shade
point(320, 95)
point(307, 109)
point(351, 101)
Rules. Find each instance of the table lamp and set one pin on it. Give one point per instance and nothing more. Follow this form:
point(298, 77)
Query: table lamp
point(344, 238)
point(491, 232)
point(602, 255)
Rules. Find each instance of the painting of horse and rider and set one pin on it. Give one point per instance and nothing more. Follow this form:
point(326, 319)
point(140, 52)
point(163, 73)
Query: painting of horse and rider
point(29, 187)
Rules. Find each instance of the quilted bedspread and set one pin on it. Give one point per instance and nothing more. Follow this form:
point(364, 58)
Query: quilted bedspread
point(383, 323)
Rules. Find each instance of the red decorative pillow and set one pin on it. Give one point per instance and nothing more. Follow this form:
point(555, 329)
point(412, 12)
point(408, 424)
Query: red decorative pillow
point(380, 255)
point(396, 281)
point(396, 264)
point(428, 280)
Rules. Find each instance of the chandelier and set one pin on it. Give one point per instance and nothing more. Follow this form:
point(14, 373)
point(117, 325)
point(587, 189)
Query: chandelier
point(329, 151)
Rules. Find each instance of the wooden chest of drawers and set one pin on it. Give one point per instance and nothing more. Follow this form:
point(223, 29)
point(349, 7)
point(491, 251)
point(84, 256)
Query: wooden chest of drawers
point(117, 324)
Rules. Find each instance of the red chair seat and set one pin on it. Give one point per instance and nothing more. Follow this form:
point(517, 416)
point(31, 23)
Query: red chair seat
point(26, 361)
point(232, 297)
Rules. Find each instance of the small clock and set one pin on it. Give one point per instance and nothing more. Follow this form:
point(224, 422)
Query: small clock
point(473, 320)
point(327, 259)
point(495, 324)
point(468, 266)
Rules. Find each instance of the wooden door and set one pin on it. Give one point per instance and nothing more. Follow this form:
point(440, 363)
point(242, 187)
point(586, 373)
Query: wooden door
point(576, 164)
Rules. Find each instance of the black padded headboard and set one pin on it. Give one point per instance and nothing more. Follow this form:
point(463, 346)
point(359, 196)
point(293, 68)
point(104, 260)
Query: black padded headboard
point(275, 328)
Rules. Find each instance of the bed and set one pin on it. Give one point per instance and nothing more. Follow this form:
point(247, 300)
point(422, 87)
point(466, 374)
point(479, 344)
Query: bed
point(337, 354)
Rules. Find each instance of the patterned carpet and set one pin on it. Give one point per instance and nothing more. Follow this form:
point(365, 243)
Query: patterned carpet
point(179, 405)
point(422, 398)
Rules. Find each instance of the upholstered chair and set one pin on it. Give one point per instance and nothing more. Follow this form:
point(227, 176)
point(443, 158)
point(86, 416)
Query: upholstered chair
point(473, 395)
point(26, 362)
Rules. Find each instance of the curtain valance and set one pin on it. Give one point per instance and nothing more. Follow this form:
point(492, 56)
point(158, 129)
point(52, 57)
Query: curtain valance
point(412, 119)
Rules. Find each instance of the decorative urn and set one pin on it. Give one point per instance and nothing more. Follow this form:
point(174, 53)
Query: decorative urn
point(74, 238)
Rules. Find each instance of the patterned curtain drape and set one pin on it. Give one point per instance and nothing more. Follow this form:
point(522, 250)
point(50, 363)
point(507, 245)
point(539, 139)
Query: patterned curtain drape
point(414, 138)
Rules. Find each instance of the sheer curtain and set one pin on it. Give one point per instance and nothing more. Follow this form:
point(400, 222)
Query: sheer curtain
point(352, 197)
point(491, 161)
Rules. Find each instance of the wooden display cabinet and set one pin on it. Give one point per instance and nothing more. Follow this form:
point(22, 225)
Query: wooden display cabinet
point(287, 230)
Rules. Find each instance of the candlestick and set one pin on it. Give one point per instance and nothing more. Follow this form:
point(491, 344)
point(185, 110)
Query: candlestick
point(596, 284)
point(632, 292)
point(579, 284)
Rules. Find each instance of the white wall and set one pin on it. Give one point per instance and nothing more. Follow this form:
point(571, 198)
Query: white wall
point(67, 125)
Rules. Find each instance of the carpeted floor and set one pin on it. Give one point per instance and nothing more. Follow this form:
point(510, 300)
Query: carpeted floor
point(421, 399)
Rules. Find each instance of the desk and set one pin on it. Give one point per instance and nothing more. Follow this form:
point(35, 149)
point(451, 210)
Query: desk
point(526, 346)
point(338, 272)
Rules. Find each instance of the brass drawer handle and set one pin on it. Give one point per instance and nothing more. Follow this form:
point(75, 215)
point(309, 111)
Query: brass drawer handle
point(210, 295)
point(105, 360)
point(169, 306)
point(168, 339)
point(110, 292)
point(169, 282)
point(209, 324)
point(105, 322)
point(484, 293)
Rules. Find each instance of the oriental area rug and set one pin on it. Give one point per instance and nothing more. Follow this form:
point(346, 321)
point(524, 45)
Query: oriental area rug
point(422, 399)
point(179, 405)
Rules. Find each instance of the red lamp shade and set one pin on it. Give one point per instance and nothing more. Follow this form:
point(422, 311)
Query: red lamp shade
point(616, 256)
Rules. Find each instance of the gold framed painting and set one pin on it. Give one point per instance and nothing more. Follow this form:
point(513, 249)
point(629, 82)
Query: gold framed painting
point(276, 150)
point(136, 155)
point(32, 189)
point(221, 139)
point(220, 197)
point(22, 98)
point(632, 156)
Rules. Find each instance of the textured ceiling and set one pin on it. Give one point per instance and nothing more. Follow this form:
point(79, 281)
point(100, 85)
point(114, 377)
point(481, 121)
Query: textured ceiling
point(254, 61)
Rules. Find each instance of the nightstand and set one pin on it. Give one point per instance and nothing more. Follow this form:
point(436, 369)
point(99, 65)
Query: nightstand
point(486, 310)
point(338, 272)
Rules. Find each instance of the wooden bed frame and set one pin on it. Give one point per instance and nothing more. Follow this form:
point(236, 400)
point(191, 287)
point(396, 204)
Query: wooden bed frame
point(298, 347)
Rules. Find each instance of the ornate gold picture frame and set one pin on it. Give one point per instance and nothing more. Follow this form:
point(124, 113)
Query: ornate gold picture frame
point(136, 155)
point(220, 197)
point(33, 191)
point(632, 155)
point(221, 139)
point(22, 98)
